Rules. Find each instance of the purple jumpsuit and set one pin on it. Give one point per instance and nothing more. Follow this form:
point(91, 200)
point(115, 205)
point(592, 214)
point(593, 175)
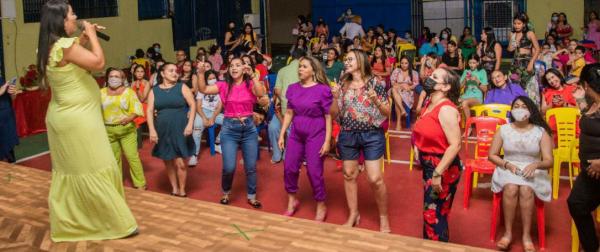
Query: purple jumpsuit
point(307, 135)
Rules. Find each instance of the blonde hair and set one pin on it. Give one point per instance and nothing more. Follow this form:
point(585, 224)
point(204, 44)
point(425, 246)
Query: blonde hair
point(319, 73)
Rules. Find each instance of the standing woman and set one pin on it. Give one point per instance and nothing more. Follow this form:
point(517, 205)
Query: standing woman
point(309, 103)
point(437, 137)
point(8, 124)
point(467, 43)
point(563, 28)
point(120, 106)
point(141, 87)
point(239, 93)
point(361, 106)
point(175, 110)
point(232, 39)
point(524, 44)
point(593, 28)
point(585, 195)
point(490, 51)
point(86, 200)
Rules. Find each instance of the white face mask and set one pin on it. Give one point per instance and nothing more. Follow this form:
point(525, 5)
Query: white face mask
point(520, 114)
point(211, 82)
point(554, 19)
point(444, 36)
point(115, 82)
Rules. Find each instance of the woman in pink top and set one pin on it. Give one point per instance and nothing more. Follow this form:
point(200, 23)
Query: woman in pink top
point(239, 92)
point(593, 28)
point(215, 57)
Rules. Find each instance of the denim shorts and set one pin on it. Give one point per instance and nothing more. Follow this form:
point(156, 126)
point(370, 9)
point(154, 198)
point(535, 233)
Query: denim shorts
point(371, 143)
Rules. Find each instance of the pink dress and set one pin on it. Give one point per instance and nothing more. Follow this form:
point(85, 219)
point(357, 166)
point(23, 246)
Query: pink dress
point(593, 33)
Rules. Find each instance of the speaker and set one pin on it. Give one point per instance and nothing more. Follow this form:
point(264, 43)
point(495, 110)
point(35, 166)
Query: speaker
point(9, 9)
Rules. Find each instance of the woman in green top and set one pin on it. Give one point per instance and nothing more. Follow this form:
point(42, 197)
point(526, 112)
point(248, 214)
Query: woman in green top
point(468, 43)
point(474, 84)
point(333, 67)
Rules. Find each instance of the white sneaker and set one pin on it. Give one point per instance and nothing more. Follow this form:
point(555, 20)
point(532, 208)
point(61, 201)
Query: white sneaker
point(193, 161)
point(218, 148)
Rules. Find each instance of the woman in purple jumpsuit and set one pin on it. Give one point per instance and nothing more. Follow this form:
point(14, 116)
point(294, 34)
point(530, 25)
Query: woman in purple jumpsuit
point(308, 111)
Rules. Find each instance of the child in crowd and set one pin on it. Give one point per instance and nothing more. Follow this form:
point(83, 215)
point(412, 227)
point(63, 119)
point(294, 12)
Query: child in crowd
point(577, 63)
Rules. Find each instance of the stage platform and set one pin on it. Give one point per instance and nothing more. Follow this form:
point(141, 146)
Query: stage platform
point(169, 223)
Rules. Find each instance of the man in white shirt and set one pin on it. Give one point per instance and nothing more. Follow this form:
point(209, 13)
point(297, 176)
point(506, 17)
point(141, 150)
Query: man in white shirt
point(352, 29)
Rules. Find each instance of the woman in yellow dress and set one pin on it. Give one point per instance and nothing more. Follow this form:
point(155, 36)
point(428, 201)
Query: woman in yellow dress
point(86, 200)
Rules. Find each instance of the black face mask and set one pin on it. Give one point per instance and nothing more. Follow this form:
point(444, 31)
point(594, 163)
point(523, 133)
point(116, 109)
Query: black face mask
point(429, 85)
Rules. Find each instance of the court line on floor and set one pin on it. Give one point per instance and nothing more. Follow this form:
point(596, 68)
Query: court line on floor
point(32, 157)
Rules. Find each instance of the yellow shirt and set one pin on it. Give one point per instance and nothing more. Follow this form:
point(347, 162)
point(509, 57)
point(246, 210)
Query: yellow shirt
point(577, 67)
point(117, 107)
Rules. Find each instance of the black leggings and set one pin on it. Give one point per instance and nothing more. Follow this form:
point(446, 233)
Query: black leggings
point(585, 198)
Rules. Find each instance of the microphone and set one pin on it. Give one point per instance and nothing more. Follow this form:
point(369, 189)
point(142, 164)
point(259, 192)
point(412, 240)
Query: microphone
point(98, 33)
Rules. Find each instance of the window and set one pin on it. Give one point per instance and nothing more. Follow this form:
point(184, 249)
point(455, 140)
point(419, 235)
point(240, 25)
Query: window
point(153, 9)
point(439, 14)
point(498, 14)
point(83, 8)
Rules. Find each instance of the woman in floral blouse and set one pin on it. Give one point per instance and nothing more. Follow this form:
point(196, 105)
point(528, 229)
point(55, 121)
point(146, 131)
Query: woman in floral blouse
point(361, 105)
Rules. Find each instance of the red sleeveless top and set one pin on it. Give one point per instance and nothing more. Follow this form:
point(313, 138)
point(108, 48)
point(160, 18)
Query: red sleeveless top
point(428, 134)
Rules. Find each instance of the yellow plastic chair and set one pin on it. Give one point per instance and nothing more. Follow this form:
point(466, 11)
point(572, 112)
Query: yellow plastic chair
point(389, 134)
point(566, 123)
point(492, 110)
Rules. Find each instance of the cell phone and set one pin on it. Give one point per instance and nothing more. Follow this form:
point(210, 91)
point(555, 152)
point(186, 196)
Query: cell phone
point(13, 81)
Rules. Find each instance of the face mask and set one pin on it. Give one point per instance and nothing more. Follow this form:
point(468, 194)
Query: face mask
point(115, 82)
point(429, 85)
point(520, 114)
point(157, 49)
point(554, 19)
point(211, 82)
point(444, 36)
point(349, 12)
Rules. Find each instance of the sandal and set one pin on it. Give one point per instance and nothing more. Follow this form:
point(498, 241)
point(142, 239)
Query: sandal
point(504, 243)
point(255, 203)
point(225, 199)
point(528, 246)
point(181, 195)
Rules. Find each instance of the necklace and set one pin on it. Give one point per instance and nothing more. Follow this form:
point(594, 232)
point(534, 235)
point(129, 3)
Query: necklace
point(166, 89)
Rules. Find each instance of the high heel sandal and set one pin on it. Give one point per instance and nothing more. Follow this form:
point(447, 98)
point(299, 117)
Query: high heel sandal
point(295, 206)
point(322, 217)
point(382, 228)
point(528, 246)
point(503, 244)
point(355, 223)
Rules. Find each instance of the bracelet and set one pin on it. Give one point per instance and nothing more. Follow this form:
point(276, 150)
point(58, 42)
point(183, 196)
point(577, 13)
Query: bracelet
point(504, 165)
point(436, 174)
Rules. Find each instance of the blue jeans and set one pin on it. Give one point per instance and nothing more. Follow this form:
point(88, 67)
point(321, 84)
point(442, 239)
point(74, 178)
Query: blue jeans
point(199, 127)
point(274, 130)
point(236, 134)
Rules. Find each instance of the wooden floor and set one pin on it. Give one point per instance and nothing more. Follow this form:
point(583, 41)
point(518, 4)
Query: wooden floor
point(168, 223)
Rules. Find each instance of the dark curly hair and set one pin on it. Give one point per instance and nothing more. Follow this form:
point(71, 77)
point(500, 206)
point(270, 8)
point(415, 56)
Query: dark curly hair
point(590, 75)
point(535, 117)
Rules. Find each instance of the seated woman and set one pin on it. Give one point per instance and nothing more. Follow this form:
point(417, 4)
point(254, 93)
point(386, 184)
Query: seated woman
point(404, 80)
point(428, 64)
point(453, 57)
point(208, 109)
point(556, 93)
point(474, 80)
point(521, 174)
point(380, 64)
point(502, 92)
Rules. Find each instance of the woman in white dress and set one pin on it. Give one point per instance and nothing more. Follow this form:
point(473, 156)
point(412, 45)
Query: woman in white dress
point(522, 173)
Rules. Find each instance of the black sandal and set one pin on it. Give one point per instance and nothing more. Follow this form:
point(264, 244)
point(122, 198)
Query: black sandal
point(225, 199)
point(255, 203)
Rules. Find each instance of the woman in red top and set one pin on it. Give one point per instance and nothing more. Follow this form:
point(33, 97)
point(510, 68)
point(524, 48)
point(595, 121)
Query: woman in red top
point(437, 137)
point(563, 28)
point(139, 86)
point(556, 93)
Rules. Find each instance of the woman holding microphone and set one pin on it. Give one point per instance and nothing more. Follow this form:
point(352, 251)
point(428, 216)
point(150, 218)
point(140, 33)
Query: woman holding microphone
point(86, 199)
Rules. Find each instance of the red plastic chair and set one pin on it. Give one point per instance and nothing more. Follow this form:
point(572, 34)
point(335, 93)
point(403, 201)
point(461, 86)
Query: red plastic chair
point(485, 128)
point(539, 209)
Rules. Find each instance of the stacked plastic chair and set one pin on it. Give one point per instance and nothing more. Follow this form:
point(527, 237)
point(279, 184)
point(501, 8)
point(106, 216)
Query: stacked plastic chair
point(566, 125)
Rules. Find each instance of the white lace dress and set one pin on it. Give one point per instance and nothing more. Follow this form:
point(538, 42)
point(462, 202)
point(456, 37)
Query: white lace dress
point(522, 149)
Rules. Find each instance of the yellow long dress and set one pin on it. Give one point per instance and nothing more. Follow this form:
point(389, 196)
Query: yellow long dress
point(87, 200)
